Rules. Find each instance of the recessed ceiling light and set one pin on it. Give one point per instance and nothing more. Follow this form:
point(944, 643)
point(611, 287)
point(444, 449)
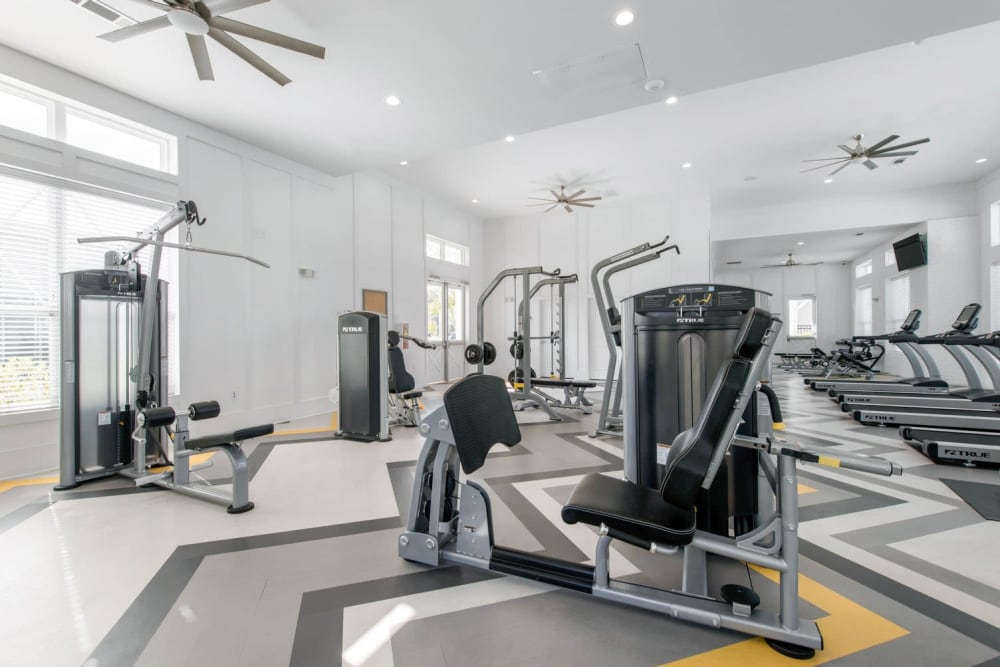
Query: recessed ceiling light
point(829, 180)
point(671, 100)
point(750, 178)
point(624, 17)
point(981, 160)
point(686, 165)
point(475, 201)
point(509, 138)
point(393, 101)
point(403, 163)
point(801, 243)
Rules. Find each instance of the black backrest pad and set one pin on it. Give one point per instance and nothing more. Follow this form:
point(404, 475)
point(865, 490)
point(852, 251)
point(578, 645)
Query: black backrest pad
point(750, 339)
point(692, 450)
point(481, 415)
point(400, 381)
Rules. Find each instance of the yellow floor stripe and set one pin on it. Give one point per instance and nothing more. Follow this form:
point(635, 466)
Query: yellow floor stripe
point(803, 489)
point(847, 629)
point(32, 481)
point(303, 431)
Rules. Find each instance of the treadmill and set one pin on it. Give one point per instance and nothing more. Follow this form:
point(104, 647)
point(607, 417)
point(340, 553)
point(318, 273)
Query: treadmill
point(906, 340)
point(984, 348)
point(958, 416)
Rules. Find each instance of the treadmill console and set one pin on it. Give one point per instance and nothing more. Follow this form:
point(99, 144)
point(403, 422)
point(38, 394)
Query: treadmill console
point(912, 321)
point(968, 318)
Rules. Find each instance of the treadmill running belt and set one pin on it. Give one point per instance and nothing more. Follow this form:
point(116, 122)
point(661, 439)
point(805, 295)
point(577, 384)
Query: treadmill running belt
point(984, 498)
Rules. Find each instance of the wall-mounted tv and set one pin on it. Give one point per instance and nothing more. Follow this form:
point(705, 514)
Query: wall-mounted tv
point(910, 252)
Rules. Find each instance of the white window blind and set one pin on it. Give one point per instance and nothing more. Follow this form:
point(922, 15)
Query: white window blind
point(898, 306)
point(40, 220)
point(863, 311)
point(802, 318)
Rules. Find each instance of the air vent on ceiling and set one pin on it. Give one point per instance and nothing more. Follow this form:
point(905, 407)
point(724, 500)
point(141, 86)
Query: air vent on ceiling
point(737, 262)
point(617, 68)
point(106, 12)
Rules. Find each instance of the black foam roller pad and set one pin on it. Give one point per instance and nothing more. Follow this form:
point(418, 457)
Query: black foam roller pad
point(204, 410)
point(159, 416)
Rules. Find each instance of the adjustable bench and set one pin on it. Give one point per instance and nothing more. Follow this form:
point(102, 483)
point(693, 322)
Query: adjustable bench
point(451, 520)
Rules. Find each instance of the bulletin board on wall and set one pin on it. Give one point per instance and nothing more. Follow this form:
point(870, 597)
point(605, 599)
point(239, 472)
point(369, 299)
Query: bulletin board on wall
point(375, 301)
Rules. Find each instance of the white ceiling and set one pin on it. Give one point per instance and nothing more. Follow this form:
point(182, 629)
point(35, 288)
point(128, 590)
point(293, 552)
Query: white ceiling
point(944, 88)
point(835, 246)
point(464, 72)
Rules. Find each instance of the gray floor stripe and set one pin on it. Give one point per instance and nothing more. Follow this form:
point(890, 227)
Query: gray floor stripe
point(995, 662)
point(947, 577)
point(319, 633)
point(22, 513)
point(971, 627)
point(127, 639)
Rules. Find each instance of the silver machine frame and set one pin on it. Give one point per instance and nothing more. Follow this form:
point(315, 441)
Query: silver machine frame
point(466, 538)
point(526, 393)
point(179, 478)
point(609, 420)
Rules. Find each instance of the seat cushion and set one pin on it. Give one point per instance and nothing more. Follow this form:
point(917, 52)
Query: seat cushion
point(629, 508)
point(411, 394)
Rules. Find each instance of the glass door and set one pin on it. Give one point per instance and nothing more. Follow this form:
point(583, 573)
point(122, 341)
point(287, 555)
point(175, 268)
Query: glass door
point(446, 328)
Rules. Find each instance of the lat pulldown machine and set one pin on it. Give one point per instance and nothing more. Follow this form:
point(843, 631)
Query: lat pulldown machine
point(113, 414)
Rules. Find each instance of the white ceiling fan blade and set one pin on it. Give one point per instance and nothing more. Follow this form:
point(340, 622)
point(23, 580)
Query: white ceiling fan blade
point(541, 199)
point(568, 209)
point(828, 159)
point(226, 6)
point(840, 168)
point(847, 150)
point(573, 200)
point(246, 54)
point(268, 36)
point(576, 194)
point(576, 203)
point(550, 208)
point(888, 140)
point(555, 196)
point(826, 166)
point(136, 30)
point(199, 53)
point(870, 164)
point(545, 204)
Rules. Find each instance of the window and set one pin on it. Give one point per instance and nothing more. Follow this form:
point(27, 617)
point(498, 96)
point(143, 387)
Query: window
point(897, 305)
point(802, 318)
point(46, 114)
point(446, 251)
point(890, 258)
point(995, 223)
point(863, 269)
point(435, 314)
point(40, 220)
point(863, 311)
point(445, 312)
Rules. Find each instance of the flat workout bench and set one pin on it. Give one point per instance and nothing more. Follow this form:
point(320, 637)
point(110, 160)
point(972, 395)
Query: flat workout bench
point(573, 392)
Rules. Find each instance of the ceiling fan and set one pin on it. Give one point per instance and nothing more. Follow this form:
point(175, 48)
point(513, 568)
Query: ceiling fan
point(789, 262)
point(196, 19)
point(566, 201)
point(866, 156)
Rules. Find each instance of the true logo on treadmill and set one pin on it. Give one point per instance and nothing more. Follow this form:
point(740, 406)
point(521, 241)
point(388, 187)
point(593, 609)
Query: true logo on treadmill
point(966, 453)
point(690, 320)
point(352, 329)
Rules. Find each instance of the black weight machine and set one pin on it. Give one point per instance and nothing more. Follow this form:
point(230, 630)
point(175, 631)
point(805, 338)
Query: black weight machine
point(404, 404)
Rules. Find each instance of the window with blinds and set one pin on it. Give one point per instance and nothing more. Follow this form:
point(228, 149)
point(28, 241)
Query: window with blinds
point(40, 220)
point(898, 302)
point(863, 311)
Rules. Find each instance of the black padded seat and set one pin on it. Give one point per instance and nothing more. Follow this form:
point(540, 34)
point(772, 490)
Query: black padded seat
point(551, 382)
point(629, 508)
point(209, 441)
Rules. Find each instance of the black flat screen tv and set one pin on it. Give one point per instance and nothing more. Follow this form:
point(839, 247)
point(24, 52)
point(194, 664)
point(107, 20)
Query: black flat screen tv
point(910, 252)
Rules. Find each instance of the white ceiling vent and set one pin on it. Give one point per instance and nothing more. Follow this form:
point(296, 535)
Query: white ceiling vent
point(617, 68)
point(106, 12)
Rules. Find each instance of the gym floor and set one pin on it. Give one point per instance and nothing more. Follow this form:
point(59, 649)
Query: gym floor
point(898, 571)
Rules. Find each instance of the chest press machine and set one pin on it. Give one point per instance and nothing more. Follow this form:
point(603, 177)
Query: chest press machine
point(113, 416)
point(451, 520)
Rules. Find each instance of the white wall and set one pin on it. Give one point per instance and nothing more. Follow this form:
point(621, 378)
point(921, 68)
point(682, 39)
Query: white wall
point(574, 243)
point(908, 206)
point(988, 193)
point(828, 283)
point(950, 280)
point(262, 342)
